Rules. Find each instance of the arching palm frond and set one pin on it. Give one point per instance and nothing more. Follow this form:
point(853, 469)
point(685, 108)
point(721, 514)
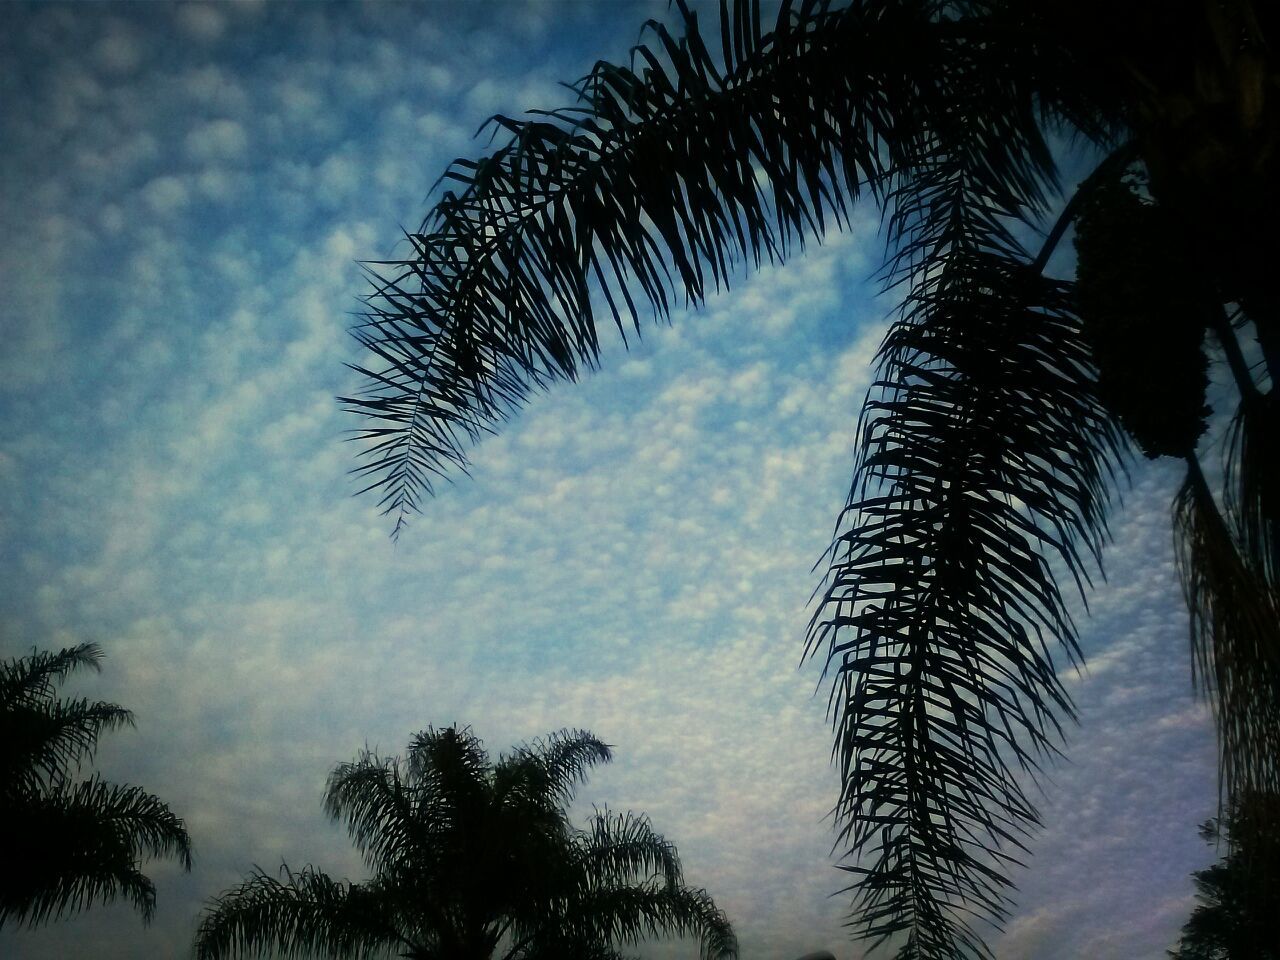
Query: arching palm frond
point(563, 759)
point(626, 914)
point(752, 154)
point(619, 848)
point(69, 844)
point(658, 180)
point(81, 844)
point(975, 472)
point(378, 808)
point(663, 177)
point(46, 738)
point(303, 914)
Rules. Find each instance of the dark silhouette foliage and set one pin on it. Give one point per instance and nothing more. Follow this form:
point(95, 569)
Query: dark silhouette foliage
point(67, 843)
point(1006, 398)
point(471, 860)
point(1238, 914)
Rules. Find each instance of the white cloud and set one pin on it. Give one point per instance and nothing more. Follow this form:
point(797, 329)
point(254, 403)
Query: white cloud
point(119, 52)
point(203, 22)
point(166, 195)
point(217, 140)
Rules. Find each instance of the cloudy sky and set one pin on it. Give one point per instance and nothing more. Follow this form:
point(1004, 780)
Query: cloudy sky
point(185, 191)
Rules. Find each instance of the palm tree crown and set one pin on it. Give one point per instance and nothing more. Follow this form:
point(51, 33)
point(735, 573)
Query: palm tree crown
point(1007, 397)
point(67, 844)
point(472, 859)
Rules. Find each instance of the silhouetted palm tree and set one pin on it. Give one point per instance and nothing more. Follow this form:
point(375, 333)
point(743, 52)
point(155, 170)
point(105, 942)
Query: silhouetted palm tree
point(66, 843)
point(1238, 917)
point(1006, 396)
point(472, 860)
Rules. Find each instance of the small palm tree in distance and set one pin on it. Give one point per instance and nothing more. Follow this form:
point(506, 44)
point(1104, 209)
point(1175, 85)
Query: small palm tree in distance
point(472, 860)
point(68, 843)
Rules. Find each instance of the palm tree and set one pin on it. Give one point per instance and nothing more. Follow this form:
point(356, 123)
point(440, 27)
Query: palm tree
point(471, 860)
point(1238, 915)
point(69, 843)
point(1007, 396)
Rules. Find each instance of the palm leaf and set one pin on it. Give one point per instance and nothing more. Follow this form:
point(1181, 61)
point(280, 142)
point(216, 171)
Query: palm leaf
point(47, 740)
point(563, 758)
point(36, 676)
point(976, 470)
point(304, 914)
point(1235, 638)
point(625, 914)
point(79, 845)
point(652, 183)
point(620, 848)
point(378, 808)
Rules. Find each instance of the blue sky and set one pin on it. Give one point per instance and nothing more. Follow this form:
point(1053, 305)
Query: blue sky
point(185, 191)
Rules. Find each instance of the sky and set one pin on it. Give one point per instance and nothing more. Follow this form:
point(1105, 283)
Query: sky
point(185, 192)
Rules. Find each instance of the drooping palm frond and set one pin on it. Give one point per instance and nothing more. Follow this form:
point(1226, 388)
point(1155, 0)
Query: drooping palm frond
point(626, 914)
point(656, 182)
point(562, 760)
point(617, 848)
point(1235, 636)
point(47, 739)
point(659, 180)
point(82, 844)
point(303, 914)
point(983, 467)
point(1252, 483)
point(978, 471)
point(69, 844)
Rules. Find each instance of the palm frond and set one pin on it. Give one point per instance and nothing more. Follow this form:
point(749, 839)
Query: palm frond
point(304, 914)
point(664, 176)
point(50, 890)
point(621, 848)
point(1235, 638)
point(39, 674)
point(984, 460)
point(564, 758)
point(46, 740)
point(625, 914)
point(985, 457)
point(1252, 483)
point(378, 808)
point(82, 844)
